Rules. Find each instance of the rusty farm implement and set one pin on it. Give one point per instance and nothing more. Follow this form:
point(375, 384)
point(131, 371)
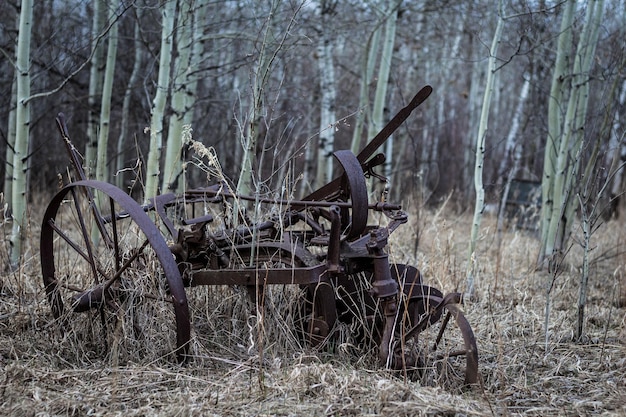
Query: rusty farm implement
point(107, 259)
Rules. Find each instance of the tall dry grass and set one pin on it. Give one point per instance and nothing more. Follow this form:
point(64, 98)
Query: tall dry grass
point(251, 362)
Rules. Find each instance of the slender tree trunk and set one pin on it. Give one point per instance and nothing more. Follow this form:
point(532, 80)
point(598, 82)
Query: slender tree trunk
point(480, 153)
point(476, 82)
point(328, 93)
point(8, 173)
point(22, 120)
point(511, 139)
point(160, 100)
point(380, 99)
point(105, 107)
point(128, 93)
point(571, 140)
point(557, 97)
point(617, 147)
point(96, 79)
point(250, 132)
point(367, 73)
point(173, 168)
point(198, 50)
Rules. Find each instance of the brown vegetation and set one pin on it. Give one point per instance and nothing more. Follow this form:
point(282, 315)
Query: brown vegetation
point(42, 373)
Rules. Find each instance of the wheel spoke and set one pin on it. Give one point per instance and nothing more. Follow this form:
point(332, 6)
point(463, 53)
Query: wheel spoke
point(106, 276)
point(86, 239)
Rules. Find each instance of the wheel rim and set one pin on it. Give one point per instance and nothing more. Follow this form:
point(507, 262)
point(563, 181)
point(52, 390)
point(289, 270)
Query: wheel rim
point(445, 352)
point(111, 280)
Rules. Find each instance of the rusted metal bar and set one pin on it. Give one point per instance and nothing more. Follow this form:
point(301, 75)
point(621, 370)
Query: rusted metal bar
point(265, 276)
point(327, 191)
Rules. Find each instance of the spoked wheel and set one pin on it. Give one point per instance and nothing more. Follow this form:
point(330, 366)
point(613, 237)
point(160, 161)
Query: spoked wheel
point(436, 342)
point(111, 280)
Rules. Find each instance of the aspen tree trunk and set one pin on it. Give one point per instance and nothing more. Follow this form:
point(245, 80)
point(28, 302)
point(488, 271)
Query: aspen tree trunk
point(8, 173)
point(569, 146)
point(474, 121)
point(96, 79)
point(557, 97)
point(618, 147)
point(380, 99)
point(367, 73)
point(511, 139)
point(160, 100)
point(328, 93)
point(173, 167)
point(571, 141)
point(249, 135)
point(128, 93)
point(105, 107)
point(480, 153)
point(22, 120)
point(193, 76)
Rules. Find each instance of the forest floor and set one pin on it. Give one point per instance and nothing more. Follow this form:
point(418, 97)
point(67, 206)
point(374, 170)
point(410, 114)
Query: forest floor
point(522, 371)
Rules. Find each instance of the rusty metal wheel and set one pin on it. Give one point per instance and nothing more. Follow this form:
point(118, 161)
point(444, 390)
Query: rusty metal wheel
point(110, 278)
point(436, 342)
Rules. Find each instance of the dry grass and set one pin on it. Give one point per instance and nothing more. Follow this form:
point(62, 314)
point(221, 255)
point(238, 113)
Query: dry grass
point(230, 375)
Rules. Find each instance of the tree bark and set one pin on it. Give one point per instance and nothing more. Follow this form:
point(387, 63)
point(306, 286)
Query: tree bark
point(326, 138)
point(128, 94)
point(480, 153)
point(96, 79)
point(105, 106)
point(160, 100)
point(8, 173)
point(172, 167)
point(571, 139)
point(380, 99)
point(22, 132)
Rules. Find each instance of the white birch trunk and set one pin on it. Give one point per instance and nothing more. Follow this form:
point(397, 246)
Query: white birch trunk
point(22, 119)
point(568, 156)
point(326, 139)
point(160, 100)
point(367, 72)
point(8, 173)
point(172, 168)
point(96, 79)
point(105, 107)
point(132, 81)
point(480, 153)
point(511, 139)
point(556, 99)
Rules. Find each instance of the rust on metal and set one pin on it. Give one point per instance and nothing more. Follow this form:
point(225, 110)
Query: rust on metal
point(320, 243)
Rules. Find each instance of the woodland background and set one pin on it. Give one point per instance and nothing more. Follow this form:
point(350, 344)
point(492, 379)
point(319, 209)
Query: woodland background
point(444, 44)
point(529, 90)
point(289, 82)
